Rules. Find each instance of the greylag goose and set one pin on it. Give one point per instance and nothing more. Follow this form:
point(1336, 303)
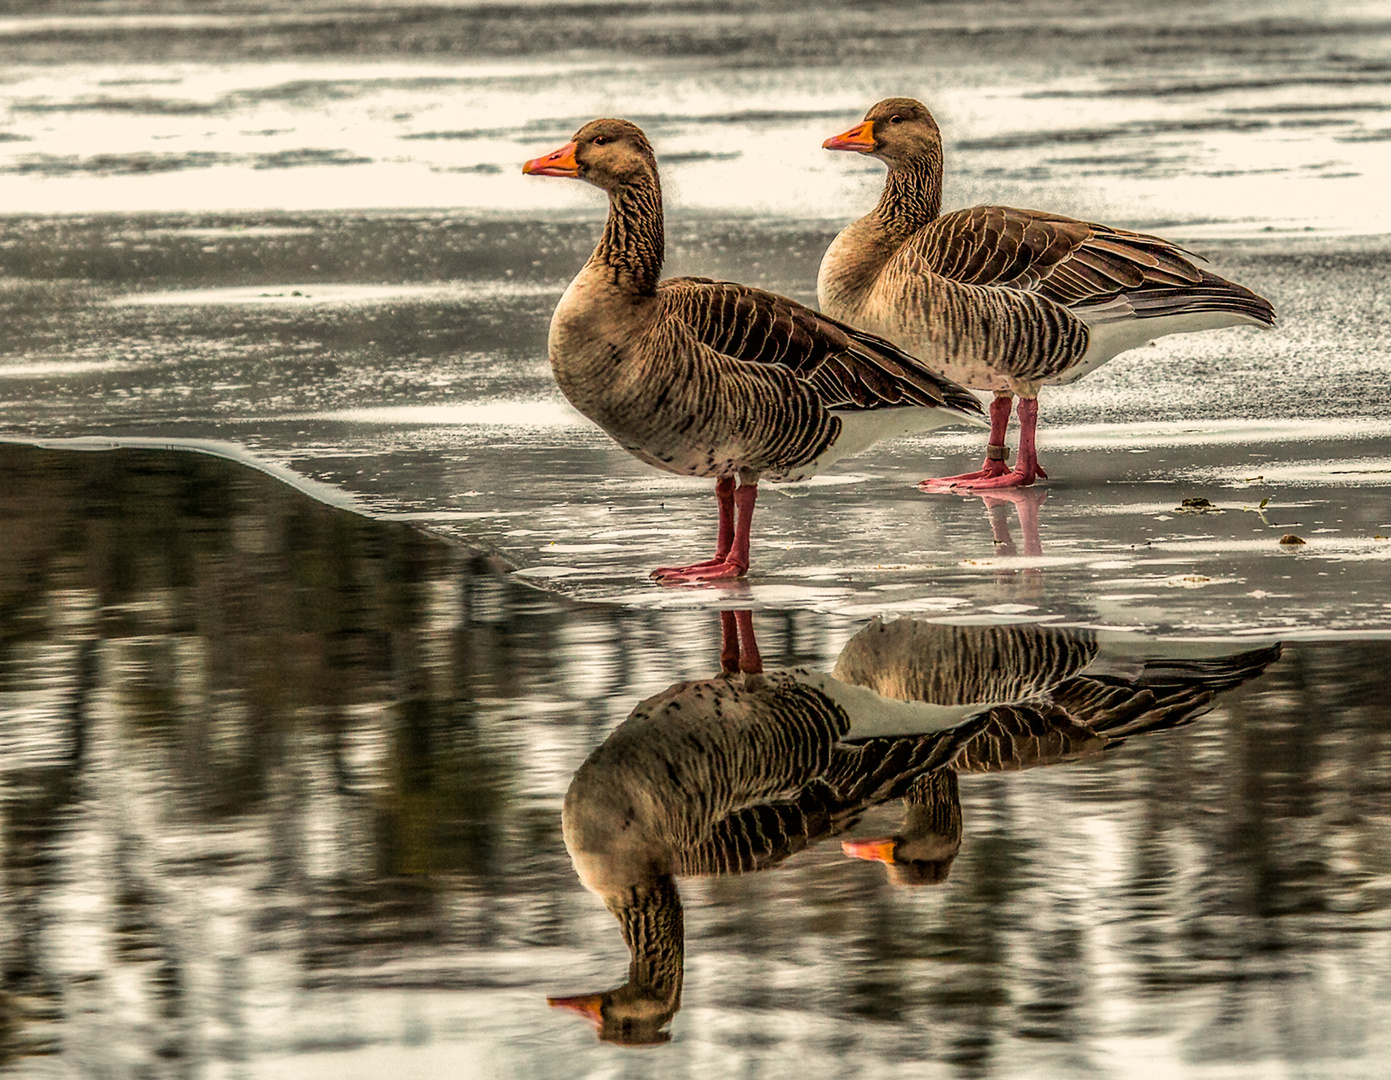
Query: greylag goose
point(727, 775)
point(737, 773)
point(713, 379)
point(1065, 698)
point(1086, 292)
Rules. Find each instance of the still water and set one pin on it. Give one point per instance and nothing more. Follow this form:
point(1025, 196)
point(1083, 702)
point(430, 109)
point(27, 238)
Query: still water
point(283, 788)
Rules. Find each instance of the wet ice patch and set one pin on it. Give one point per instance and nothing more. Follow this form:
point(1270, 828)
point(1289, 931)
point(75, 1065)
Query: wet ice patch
point(309, 294)
point(822, 480)
point(1193, 581)
point(1216, 433)
point(46, 368)
point(544, 573)
point(911, 605)
point(518, 415)
point(1358, 472)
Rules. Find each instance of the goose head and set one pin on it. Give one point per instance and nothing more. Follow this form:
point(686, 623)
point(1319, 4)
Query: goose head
point(610, 154)
point(922, 852)
point(910, 861)
point(629, 1015)
point(653, 925)
point(897, 131)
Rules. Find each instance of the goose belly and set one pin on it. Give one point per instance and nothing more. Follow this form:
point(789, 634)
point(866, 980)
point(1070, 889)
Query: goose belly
point(1111, 338)
point(686, 460)
point(859, 430)
point(971, 373)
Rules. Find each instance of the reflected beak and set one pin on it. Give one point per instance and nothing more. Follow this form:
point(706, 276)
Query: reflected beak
point(872, 850)
point(589, 1006)
point(860, 138)
point(557, 163)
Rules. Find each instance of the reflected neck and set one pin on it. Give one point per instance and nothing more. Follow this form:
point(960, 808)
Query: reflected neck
point(654, 931)
point(932, 808)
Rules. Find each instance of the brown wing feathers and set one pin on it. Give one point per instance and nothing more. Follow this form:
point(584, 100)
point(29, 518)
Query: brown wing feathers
point(1079, 264)
point(1208, 293)
point(848, 368)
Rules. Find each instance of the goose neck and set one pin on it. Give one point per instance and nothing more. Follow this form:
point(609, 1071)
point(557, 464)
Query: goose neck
point(634, 244)
point(654, 931)
point(912, 196)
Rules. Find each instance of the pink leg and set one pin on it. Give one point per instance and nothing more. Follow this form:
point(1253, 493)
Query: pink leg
point(750, 659)
point(1026, 468)
point(1027, 509)
point(1026, 503)
point(738, 646)
point(999, 526)
point(735, 562)
point(724, 495)
point(1028, 430)
point(995, 453)
point(729, 642)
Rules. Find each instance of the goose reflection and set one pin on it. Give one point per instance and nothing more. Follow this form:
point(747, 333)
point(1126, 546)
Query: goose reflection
point(739, 772)
point(1025, 503)
point(728, 775)
point(1062, 696)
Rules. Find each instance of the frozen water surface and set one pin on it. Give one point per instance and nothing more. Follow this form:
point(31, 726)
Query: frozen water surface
point(316, 593)
point(431, 400)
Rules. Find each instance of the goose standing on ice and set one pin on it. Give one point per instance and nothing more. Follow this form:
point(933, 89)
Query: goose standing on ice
point(1084, 292)
point(709, 378)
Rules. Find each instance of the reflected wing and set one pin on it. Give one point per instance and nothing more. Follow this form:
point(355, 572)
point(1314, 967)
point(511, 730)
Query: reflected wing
point(1023, 736)
point(1088, 713)
point(861, 773)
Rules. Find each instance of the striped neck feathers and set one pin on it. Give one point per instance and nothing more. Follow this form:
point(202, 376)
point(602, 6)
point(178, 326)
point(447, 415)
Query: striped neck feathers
point(634, 243)
point(912, 196)
point(654, 931)
point(850, 269)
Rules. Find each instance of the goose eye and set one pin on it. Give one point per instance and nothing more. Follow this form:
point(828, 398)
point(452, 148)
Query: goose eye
point(895, 119)
point(601, 140)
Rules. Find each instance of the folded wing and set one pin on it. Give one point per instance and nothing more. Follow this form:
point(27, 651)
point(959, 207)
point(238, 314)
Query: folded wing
point(849, 368)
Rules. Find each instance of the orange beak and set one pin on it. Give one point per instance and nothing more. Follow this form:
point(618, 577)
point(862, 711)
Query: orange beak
point(557, 163)
point(872, 850)
point(860, 138)
point(589, 1006)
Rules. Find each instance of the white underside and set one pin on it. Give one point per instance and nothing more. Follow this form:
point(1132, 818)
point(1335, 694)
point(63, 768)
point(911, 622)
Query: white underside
point(861, 430)
point(872, 714)
point(1114, 331)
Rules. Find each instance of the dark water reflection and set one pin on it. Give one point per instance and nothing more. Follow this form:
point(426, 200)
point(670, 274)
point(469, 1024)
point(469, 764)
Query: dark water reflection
point(282, 794)
point(738, 773)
